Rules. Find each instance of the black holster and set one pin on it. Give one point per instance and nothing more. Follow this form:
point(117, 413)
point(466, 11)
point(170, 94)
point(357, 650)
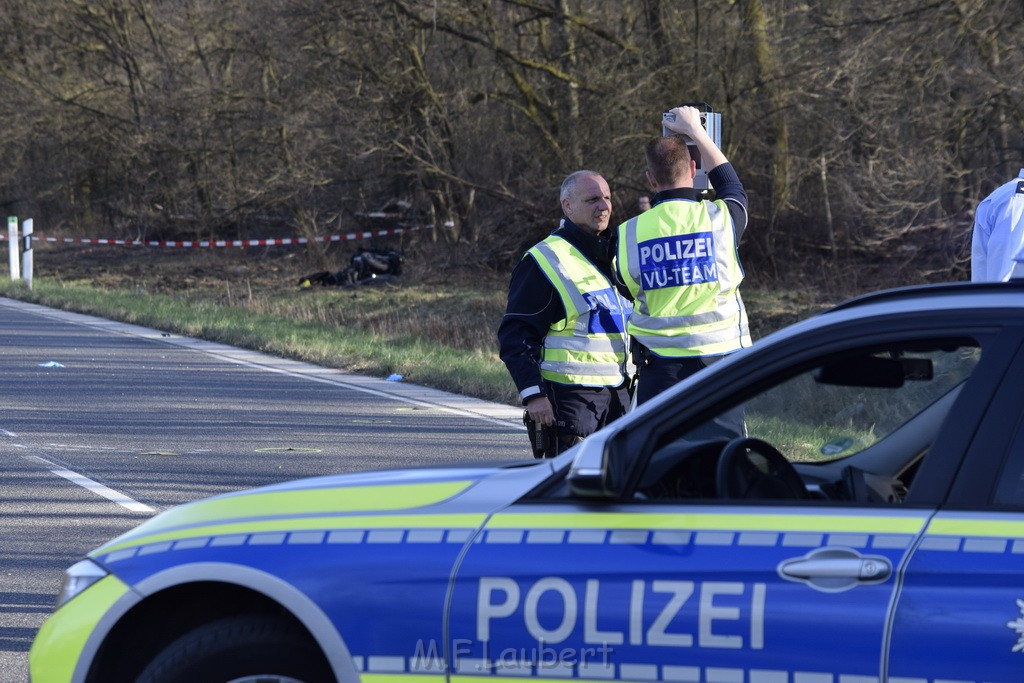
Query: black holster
point(639, 353)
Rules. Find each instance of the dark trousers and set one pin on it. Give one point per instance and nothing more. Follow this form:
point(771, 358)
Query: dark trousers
point(581, 411)
point(655, 374)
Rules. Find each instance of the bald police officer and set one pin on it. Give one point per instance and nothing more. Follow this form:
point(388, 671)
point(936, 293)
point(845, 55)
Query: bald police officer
point(563, 335)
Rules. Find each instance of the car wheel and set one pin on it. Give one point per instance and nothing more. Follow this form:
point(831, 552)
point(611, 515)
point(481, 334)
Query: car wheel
point(244, 649)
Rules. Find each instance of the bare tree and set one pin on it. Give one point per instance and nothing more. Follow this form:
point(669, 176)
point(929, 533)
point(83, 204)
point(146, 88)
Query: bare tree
point(862, 131)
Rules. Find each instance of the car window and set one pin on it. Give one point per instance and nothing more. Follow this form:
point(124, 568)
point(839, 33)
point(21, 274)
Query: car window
point(829, 412)
point(875, 409)
point(1010, 491)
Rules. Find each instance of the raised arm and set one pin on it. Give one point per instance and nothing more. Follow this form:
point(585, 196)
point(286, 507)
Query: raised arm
point(687, 121)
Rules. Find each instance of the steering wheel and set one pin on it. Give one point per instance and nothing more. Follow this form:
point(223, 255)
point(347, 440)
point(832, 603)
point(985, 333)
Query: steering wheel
point(752, 468)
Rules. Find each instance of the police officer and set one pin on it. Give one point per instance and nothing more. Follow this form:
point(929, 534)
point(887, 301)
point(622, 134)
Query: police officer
point(563, 336)
point(998, 238)
point(679, 261)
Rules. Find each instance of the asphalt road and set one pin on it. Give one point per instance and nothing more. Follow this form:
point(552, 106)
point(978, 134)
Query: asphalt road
point(103, 425)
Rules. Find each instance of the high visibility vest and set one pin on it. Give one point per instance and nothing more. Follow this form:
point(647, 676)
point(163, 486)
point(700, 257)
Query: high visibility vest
point(587, 347)
point(679, 260)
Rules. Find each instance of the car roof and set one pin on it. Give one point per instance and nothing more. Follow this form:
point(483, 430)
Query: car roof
point(951, 296)
point(917, 293)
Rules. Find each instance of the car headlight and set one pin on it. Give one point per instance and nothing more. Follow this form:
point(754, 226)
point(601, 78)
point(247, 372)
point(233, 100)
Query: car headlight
point(77, 578)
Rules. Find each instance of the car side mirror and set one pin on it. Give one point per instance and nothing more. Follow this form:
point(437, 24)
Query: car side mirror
point(590, 472)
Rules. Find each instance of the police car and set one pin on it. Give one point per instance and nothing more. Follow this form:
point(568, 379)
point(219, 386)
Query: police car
point(865, 525)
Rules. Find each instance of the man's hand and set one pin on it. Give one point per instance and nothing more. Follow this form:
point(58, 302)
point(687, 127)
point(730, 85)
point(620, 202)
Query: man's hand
point(541, 411)
point(686, 121)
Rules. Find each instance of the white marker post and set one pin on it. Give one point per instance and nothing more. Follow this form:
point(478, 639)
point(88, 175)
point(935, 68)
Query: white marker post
point(26, 252)
point(12, 243)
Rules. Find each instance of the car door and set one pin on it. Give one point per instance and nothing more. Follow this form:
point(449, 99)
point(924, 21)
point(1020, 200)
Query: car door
point(680, 593)
point(670, 582)
point(960, 611)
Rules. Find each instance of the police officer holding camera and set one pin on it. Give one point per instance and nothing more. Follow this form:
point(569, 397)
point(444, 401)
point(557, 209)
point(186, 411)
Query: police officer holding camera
point(679, 262)
point(563, 335)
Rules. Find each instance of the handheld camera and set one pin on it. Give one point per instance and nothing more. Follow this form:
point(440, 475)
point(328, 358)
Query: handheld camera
point(712, 123)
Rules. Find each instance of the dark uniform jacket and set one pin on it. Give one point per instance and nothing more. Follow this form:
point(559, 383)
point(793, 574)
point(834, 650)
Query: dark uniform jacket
point(534, 305)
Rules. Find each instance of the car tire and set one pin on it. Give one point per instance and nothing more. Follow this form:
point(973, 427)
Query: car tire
point(243, 649)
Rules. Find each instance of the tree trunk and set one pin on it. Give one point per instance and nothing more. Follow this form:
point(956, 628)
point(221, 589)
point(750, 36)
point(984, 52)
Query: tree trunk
point(767, 81)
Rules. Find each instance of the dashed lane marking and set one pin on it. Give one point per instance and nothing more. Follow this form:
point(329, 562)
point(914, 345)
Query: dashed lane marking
point(93, 486)
point(288, 449)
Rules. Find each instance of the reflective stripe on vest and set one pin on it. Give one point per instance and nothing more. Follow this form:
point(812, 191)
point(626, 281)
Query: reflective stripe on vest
point(685, 284)
point(588, 347)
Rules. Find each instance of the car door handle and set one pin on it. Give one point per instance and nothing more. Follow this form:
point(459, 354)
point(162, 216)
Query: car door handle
point(836, 569)
point(853, 569)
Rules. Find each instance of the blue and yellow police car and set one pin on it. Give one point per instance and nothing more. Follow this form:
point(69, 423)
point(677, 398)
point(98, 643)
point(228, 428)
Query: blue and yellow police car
point(843, 502)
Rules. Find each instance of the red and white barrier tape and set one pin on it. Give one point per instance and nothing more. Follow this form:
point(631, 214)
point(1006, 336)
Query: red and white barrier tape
point(228, 243)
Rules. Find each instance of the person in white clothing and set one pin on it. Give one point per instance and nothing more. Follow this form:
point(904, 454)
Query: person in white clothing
point(1017, 267)
point(998, 233)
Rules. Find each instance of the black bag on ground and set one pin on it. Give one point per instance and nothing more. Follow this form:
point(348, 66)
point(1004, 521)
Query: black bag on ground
point(366, 266)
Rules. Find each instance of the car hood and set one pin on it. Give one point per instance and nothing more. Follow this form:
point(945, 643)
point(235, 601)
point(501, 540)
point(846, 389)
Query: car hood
point(430, 496)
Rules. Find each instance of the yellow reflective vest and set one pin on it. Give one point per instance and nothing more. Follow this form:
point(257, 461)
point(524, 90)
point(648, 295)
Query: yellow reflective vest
point(587, 347)
point(680, 262)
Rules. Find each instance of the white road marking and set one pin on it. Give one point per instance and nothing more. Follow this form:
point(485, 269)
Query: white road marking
point(356, 382)
point(94, 486)
point(410, 394)
point(419, 397)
